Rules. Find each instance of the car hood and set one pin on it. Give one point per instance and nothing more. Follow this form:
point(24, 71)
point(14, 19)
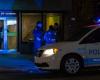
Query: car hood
point(59, 45)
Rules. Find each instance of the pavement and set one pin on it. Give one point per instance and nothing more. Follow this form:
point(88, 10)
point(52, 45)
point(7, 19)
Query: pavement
point(21, 67)
point(85, 75)
point(18, 62)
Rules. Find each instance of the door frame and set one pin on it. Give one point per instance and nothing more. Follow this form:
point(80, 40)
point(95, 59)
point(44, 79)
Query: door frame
point(5, 49)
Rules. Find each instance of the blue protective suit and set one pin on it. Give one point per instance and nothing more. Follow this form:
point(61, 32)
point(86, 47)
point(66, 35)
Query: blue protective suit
point(50, 37)
point(38, 38)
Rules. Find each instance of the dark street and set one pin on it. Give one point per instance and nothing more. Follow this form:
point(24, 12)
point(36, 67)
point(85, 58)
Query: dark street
point(85, 75)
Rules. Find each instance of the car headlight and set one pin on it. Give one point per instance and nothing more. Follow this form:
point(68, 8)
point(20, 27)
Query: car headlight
point(49, 52)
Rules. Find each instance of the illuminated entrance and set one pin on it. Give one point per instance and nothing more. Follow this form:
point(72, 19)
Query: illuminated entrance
point(28, 25)
point(8, 34)
point(52, 18)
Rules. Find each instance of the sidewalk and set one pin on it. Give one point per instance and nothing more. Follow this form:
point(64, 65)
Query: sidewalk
point(18, 62)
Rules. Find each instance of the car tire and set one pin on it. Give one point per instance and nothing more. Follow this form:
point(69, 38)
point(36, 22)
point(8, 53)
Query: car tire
point(71, 64)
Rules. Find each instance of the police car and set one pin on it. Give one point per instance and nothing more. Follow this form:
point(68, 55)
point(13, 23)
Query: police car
point(72, 56)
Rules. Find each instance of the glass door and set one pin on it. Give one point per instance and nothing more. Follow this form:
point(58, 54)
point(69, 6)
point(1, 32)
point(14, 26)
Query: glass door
point(8, 35)
point(52, 18)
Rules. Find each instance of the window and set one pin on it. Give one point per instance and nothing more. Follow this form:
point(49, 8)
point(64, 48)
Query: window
point(92, 38)
point(29, 21)
point(52, 18)
point(12, 32)
point(79, 34)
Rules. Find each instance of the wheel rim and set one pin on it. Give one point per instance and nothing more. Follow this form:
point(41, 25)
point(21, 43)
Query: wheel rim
point(72, 65)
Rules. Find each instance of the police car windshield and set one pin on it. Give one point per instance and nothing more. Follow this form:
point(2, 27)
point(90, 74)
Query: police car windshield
point(79, 34)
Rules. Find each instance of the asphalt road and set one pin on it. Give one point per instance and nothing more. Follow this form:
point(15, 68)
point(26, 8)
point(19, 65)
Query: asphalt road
point(85, 75)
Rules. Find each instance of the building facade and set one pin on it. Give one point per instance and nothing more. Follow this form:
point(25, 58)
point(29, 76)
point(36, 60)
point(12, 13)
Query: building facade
point(19, 19)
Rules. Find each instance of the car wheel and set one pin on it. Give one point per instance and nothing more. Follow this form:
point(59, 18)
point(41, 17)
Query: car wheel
point(71, 64)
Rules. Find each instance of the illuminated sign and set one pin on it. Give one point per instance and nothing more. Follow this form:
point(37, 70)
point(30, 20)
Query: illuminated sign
point(5, 14)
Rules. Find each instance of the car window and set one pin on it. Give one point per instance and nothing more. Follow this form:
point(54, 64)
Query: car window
point(92, 38)
point(79, 34)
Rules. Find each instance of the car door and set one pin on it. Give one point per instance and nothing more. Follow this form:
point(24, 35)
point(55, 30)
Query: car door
point(92, 48)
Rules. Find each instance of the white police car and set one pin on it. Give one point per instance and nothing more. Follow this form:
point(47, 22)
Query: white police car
point(72, 56)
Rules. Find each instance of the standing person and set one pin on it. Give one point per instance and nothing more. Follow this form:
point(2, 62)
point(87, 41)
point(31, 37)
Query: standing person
point(1, 33)
point(38, 36)
point(50, 35)
point(56, 27)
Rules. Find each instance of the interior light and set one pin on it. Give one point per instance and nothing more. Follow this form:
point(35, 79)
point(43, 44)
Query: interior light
point(11, 22)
